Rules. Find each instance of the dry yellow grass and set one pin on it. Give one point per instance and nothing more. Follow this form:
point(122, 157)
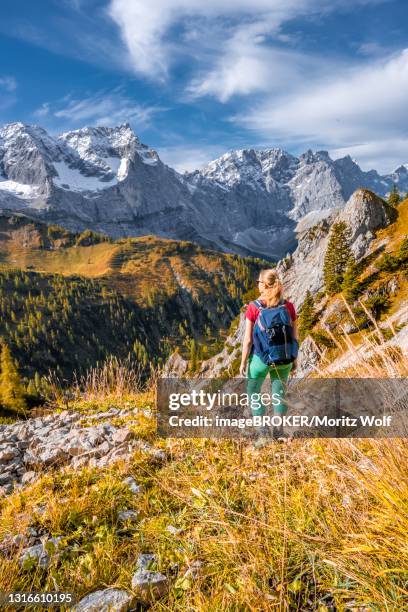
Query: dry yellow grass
point(398, 230)
point(307, 525)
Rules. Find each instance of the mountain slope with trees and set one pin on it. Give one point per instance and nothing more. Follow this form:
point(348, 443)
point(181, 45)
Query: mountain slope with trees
point(69, 300)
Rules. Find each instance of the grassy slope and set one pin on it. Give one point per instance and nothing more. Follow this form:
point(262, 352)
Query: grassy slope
point(137, 267)
point(304, 526)
point(390, 239)
point(178, 288)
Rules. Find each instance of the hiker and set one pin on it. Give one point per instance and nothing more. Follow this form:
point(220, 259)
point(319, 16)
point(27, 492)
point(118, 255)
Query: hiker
point(270, 343)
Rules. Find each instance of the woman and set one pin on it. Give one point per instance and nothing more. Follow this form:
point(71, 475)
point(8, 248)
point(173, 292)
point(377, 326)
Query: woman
point(271, 290)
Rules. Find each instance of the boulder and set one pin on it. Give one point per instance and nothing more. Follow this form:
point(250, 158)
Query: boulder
point(106, 600)
point(36, 554)
point(122, 435)
point(7, 453)
point(28, 477)
point(149, 586)
point(175, 366)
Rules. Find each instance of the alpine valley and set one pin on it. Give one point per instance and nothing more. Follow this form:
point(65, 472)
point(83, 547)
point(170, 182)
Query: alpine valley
point(246, 202)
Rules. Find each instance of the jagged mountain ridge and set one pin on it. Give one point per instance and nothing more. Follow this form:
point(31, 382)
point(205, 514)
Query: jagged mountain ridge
point(105, 179)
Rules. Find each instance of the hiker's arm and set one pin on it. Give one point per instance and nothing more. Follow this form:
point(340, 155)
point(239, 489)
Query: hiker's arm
point(246, 346)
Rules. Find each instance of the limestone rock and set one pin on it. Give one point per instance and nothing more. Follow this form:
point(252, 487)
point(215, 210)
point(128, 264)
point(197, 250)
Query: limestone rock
point(175, 366)
point(149, 585)
point(106, 600)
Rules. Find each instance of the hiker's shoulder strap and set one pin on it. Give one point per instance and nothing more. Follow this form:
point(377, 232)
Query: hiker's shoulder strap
point(258, 304)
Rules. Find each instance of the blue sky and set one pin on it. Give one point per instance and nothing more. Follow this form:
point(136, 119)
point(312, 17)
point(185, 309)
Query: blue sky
point(196, 79)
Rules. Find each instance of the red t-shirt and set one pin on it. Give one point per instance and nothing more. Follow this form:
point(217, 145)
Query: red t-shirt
point(252, 311)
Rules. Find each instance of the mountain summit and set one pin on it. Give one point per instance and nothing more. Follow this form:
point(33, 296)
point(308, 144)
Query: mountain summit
point(105, 179)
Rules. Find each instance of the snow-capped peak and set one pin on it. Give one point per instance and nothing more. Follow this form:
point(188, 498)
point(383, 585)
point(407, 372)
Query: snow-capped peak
point(254, 167)
point(108, 149)
point(88, 159)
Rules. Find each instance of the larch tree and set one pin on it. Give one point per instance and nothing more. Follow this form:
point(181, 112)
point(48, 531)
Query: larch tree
point(337, 256)
point(307, 316)
point(11, 389)
point(394, 198)
point(350, 282)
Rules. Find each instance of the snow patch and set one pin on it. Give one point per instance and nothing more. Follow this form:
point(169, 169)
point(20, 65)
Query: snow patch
point(71, 178)
point(123, 169)
point(113, 163)
point(19, 189)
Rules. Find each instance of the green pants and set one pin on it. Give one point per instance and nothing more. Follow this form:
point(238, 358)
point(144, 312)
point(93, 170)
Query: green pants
point(257, 372)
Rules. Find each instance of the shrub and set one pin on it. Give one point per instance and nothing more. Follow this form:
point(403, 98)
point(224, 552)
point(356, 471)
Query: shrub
point(388, 263)
point(378, 304)
point(322, 339)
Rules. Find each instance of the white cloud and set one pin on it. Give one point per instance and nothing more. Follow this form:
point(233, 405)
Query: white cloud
point(101, 108)
point(247, 68)
point(227, 38)
point(188, 158)
point(381, 155)
point(8, 87)
point(43, 110)
point(8, 83)
point(356, 109)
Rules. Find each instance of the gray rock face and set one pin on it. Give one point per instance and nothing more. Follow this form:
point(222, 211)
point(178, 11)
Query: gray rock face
point(27, 448)
point(106, 600)
point(175, 366)
point(104, 179)
point(308, 358)
point(364, 213)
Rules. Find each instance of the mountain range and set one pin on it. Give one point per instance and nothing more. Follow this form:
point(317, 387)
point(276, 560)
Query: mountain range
point(104, 179)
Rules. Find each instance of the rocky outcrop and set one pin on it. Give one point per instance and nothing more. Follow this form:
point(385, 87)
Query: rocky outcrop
point(147, 583)
point(106, 600)
point(308, 358)
point(175, 365)
point(62, 439)
point(364, 213)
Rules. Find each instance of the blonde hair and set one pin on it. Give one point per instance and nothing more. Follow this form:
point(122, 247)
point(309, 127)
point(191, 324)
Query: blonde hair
point(272, 289)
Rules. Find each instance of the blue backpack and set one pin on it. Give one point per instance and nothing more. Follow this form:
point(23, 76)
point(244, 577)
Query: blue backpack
point(272, 336)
